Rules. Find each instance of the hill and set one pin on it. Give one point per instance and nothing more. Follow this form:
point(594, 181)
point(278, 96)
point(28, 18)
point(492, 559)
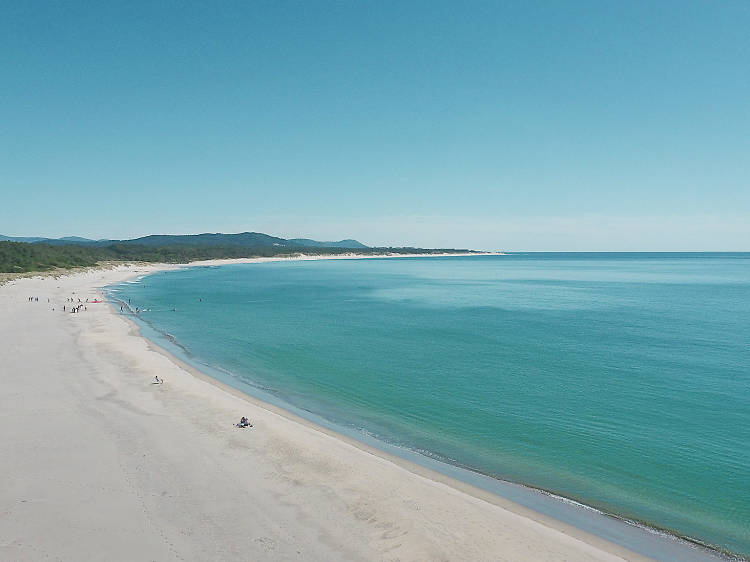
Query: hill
point(242, 239)
point(28, 239)
point(353, 244)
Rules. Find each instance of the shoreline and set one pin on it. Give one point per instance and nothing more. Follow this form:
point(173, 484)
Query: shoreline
point(536, 503)
point(446, 486)
point(62, 272)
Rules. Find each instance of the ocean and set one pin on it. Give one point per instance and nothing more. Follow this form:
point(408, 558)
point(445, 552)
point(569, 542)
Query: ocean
point(620, 381)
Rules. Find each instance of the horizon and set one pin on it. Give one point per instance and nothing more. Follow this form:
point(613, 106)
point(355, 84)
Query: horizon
point(495, 250)
point(523, 127)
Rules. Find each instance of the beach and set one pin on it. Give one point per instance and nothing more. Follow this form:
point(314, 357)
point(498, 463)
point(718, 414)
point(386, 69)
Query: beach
point(101, 463)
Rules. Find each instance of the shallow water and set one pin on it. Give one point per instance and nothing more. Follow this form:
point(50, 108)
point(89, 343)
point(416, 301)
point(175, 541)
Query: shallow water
point(619, 380)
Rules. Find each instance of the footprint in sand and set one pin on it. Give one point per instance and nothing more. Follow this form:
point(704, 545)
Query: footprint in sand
point(267, 543)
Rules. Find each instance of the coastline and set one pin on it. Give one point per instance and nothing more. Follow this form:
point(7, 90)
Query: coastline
point(640, 536)
point(494, 514)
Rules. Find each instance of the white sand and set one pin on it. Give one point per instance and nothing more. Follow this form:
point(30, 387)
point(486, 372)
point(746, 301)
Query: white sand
point(97, 463)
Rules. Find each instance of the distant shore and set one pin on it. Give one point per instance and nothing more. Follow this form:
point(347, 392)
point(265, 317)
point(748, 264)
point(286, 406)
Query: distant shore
point(58, 272)
point(165, 461)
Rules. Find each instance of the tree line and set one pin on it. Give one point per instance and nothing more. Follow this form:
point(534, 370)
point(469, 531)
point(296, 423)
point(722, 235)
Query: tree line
point(21, 257)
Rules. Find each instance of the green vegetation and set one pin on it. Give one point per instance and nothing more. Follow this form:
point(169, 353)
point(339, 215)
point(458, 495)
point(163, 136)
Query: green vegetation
point(21, 257)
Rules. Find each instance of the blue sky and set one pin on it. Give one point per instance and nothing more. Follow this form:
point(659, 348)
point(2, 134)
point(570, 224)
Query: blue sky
point(499, 125)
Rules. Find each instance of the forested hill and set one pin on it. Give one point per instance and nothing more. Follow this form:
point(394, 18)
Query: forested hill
point(315, 244)
point(243, 239)
point(21, 257)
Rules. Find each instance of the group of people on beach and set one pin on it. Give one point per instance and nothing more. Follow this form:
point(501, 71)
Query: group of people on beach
point(72, 309)
point(81, 305)
point(78, 307)
point(244, 422)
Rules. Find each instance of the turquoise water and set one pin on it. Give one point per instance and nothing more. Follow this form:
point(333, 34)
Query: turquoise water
point(618, 380)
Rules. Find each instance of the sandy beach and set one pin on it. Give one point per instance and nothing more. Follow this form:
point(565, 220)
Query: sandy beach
point(99, 463)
